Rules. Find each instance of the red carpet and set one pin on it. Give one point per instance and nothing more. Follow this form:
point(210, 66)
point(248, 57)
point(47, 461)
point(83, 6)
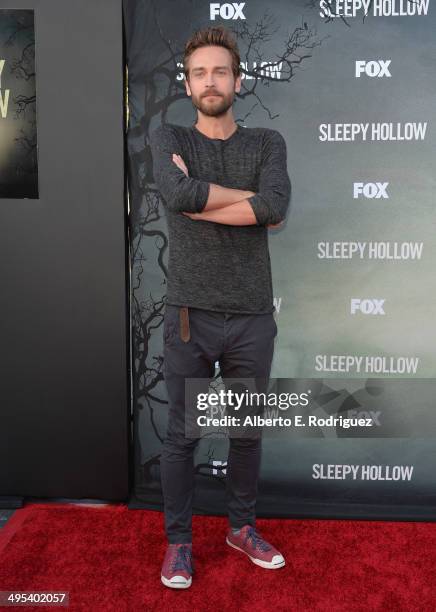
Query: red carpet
point(109, 558)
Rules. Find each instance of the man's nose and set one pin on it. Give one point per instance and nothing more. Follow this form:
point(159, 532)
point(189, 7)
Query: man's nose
point(210, 82)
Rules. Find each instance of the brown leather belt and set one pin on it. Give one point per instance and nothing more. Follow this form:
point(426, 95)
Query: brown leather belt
point(185, 332)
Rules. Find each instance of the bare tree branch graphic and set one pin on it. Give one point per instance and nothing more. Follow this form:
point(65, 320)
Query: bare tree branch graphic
point(20, 26)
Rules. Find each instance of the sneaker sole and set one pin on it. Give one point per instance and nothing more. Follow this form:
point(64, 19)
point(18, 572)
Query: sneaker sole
point(264, 564)
point(176, 585)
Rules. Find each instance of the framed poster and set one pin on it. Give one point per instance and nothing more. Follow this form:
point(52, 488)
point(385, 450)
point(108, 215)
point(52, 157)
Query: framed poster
point(18, 134)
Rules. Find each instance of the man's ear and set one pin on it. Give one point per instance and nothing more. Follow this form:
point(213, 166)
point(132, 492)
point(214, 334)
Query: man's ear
point(188, 89)
point(238, 84)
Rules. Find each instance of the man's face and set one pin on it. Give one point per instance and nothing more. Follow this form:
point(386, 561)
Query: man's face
point(210, 72)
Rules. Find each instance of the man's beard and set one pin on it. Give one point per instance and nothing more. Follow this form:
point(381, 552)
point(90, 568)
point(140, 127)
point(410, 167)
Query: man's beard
point(213, 107)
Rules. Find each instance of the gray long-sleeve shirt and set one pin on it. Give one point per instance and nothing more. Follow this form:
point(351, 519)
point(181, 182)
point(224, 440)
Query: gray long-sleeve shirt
point(216, 266)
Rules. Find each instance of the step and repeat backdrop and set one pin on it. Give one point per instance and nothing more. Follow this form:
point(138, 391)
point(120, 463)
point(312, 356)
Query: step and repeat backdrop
point(18, 134)
point(350, 85)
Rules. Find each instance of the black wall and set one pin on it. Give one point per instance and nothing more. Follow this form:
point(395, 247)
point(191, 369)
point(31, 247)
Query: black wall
point(63, 270)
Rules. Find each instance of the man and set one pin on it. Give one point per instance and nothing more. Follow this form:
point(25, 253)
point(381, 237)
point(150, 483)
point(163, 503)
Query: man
point(222, 185)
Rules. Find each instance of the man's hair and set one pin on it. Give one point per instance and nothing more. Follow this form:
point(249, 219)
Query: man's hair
point(216, 35)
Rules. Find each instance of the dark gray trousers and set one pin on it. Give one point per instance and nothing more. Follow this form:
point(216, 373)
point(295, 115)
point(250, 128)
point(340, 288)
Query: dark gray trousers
point(243, 344)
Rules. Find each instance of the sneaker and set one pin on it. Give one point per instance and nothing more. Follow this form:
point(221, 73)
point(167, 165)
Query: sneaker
point(249, 541)
point(177, 567)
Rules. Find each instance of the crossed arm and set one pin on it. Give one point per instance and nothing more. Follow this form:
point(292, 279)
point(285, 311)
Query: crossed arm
point(201, 200)
point(224, 205)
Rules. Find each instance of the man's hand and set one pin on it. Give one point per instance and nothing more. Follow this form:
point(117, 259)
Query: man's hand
point(177, 159)
point(276, 225)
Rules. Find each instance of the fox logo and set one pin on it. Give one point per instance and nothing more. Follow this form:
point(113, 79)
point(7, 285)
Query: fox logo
point(371, 306)
point(376, 68)
point(227, 11)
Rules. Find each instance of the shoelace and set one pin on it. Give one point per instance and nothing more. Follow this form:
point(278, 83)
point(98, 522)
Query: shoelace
point(256, 540)
point(183, 560)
